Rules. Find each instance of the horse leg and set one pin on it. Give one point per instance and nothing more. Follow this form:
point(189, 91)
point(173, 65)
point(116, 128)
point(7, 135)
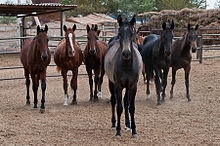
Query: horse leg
point(187, 71)
point(118, 94)
point(35, 82)
point(100, 82)
point(126, 104)
point(164, 82)
point(64, 74)
point(43, 88)
point(74, 87)
point(97, 72)
point(26, 72)
point(158, 85)
point(143, 73)
point(113, 102)
point(173, 82)
point(89, 71)
point(132, 93)
point(148, 76)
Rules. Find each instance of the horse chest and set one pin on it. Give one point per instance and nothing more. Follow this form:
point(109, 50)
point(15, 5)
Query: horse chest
point(92, 61)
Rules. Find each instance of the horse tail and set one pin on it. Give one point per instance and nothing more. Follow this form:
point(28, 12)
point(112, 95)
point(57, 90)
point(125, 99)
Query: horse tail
point(59, 68)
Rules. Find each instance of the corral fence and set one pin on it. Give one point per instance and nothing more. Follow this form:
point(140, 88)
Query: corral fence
point(113, 29)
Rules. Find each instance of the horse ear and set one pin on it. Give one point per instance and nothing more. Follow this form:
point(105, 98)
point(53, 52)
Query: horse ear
point(38, 29)
point(74, 27)
point(133, 20)
point(96, 27)
point(172, 25)
point(65, 28)
point(189, 27)
point(164, 25)
point(119, 20)
point(46, 28)
point(197, 26)
point(88, 28)
point(98, 32)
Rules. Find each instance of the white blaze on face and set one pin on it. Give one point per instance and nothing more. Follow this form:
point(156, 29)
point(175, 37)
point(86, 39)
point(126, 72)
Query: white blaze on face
point(70, 35)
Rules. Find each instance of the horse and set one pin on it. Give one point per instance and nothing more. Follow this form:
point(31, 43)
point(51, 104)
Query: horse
point(94, 55)
point(156, 57)
point(123, 65)
point(181, 56)
point(35, 57)
point(68, 56)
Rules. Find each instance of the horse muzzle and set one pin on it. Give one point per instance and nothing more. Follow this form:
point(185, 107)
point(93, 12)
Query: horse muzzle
point(194, 49)
point(44, 57)
point(92, 52)
point(126, 54)
point(71, 53)
point(167, 53)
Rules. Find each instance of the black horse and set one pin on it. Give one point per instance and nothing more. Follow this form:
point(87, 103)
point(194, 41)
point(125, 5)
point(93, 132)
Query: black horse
point(123, 65)
point(181, 56)
point(156, 57)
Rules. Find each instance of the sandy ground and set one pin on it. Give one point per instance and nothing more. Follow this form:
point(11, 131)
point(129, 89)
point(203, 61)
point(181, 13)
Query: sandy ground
point(174, 122)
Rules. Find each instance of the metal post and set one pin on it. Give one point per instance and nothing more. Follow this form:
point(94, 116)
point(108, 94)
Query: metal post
point(103, 32)
point(201, 49)
point(62, 22)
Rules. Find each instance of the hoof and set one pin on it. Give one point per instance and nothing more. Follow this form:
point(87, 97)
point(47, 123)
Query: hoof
point(65, 104)
point(148, 97)
point(100, 94)
point(127, 129)
point(158, 103)
point(145, 82)
point(28, 103)
point(113, 128)
point(134, 136)
point(42, 110)
point(74, 102)
point(171, 96)
point(189, 99)
point(162, 100)
point(35, 106)
point(95, 99)
point(118, 136)
point(91, 99)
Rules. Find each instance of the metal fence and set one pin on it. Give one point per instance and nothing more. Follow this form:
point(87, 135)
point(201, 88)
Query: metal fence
point(83, 39)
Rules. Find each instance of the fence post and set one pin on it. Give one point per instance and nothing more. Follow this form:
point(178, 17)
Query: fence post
point(103, 32)
point(201, 49)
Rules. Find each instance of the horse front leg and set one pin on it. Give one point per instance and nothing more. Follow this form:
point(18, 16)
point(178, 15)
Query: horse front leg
point(113, 102)
point(89, 71)
point(43, 88)
point(173, 81)
point(132, 93)
point(164, 82)
point(187, 71)
point(158, 85)
point(35, 81)
point(74, 87)
point(126, 105)
point(64, 74)
point(26, 73)
point(118, 94)
point(100, 82)
point(97, 73)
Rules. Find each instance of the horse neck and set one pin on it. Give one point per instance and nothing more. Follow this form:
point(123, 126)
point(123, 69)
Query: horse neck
point(161, 49)
point(185, 46)
point(36, 52)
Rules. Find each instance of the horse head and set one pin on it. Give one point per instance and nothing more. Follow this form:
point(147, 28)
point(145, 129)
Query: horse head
point(70, 39)
point(166, 36)
point(127, 35)
point(192, 37)
point(92, 35)
point(41, 40)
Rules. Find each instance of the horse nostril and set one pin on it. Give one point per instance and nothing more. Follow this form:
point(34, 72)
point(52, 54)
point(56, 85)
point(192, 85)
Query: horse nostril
point(126, 54)
point(44, 57)
point(92, 51)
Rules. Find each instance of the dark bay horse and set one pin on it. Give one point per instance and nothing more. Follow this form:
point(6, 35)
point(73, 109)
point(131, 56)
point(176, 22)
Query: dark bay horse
point(123, 65)
point(181, 56)
point(68, 56)
point(35, 57)
point(156, 57)
point(94, 55)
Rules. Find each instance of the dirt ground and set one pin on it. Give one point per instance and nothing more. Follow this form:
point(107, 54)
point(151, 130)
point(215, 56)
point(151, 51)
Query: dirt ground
point(174, 122)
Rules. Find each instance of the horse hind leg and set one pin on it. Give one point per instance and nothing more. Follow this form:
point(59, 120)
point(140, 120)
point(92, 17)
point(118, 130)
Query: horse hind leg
point(126, 104)
point(35, 81)
point(27, 86)
point(89, 71)
point(43, 88)
point(164, 83)
point(74, 87)
point(158, 85)
point(118, 93)
point(97, 83)
point(187, 71)
point(100, 83)
point(64, 74)
point(173, 82)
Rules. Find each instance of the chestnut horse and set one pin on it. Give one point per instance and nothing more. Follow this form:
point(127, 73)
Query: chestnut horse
point(94, 55)
point(35, 57)
point(68, 56)
point(181, 56)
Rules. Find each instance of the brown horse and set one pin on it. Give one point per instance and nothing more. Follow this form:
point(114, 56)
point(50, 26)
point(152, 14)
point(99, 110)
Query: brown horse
point(181, 56)
point(94, 55)
point(35, 57)
point(68, 56)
